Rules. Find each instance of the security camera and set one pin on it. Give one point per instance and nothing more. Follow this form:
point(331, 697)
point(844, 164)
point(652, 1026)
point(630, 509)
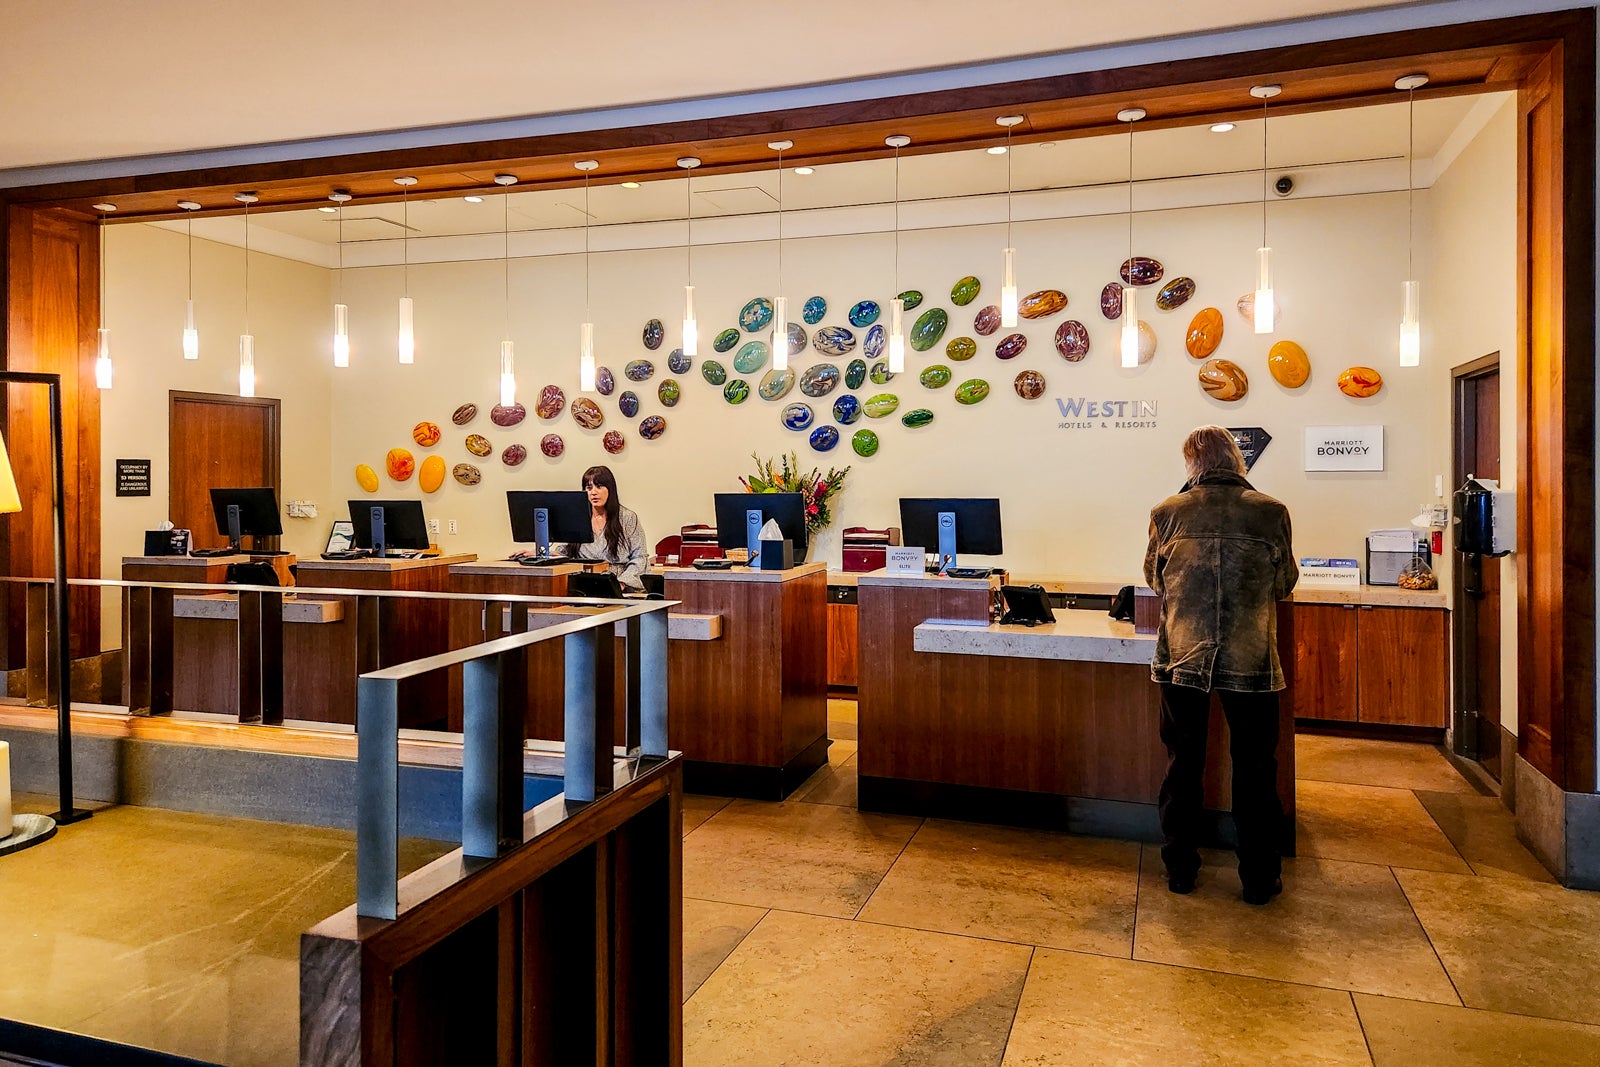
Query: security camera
point(1284, 185)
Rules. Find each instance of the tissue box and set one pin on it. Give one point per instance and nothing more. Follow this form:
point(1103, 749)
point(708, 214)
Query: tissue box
point(777, 555)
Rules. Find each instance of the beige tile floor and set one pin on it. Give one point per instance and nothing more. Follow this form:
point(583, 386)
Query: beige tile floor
point(1414, 930)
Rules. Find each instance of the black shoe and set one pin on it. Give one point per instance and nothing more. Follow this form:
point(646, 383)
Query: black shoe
point(1180, 884)
point(1261, 894)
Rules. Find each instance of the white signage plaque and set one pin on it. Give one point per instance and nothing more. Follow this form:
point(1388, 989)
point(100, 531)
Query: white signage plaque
point(901, 560)
point(1344, 448)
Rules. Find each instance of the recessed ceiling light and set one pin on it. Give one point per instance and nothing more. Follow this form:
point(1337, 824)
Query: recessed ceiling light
point(998, 150)
point(505, 179)
point(805, 170)
point(328, 210)
point(105, 207)
point(630, 185)
point(1221, 127)
point(474, 199)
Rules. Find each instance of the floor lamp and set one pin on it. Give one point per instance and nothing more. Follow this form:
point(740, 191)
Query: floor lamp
point(11, 502)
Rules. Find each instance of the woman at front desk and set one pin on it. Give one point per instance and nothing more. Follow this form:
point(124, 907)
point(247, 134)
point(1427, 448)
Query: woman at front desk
point(618, 537)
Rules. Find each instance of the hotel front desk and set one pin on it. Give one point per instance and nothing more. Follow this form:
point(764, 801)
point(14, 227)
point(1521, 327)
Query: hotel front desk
point(1053, 725)
point(746, 660)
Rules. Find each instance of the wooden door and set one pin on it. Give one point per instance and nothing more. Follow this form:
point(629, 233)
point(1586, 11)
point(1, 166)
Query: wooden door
point(841, 645)
point(217, 442)
point(1325, 650)
point(1403, 666)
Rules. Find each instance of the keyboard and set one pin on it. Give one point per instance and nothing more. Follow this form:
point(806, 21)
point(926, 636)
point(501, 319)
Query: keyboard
point(713, 564)
point(542, 561)
point(357, 553)
point(205, 553)
point(969, 572)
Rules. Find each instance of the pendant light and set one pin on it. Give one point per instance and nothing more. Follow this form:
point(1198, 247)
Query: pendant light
point(897, 306)
point(191, 336)
point(104, 372)
point(247, 341)
point(1410, 324)
point(1130, 308)
point(586, 368)
point(406, 338)
point(508, 352)
point(780, 303)
point(1264, 308)
point(1008, 280)
point(341, 310)
point(691, 328)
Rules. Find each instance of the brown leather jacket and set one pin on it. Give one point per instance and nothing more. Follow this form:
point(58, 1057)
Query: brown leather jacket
point(1221, 554)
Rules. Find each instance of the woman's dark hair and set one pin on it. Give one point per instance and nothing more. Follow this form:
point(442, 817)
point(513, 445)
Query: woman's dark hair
point(602, 476)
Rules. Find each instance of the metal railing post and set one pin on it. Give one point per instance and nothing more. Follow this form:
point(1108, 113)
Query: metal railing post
point(579, 780)
point(378, 798)
point(491, 754)
point(650, 633)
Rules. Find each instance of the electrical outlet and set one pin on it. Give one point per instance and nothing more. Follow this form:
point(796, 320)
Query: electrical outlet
point(453, 528)
point(433, 526)
point(308, 509)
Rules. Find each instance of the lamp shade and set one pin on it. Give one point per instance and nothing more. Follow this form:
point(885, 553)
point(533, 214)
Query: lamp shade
point(10, 502)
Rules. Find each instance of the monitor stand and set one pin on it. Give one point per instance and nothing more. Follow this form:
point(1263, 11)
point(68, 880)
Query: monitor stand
point(378, 549)
point(752, 536)
point(947, 541)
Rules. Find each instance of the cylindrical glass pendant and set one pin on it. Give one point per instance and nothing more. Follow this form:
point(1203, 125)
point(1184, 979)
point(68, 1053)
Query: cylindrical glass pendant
point(103, 370)
point(508, 373)
point(691, 328)
point(586, 358)
point(247, 365)
point(341, 335)
point(1411, 327)
point(408, 344)
point(1008, 293)
point(1265, 306)
point(897, 336)
point(191, 336)
point(1130, 327)
point(780, 333)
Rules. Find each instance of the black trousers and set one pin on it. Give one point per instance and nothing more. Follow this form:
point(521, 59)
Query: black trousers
point(1257, 811)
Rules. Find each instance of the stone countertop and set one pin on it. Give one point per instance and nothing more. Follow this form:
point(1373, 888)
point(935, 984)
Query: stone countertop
point(919, 581)
point(184, 561)
point(1053, 583)
point(1370, 596)
point(680, 627)
point(1086, 636)
point(385, 564)
point(498, 568)
point(225, 606)
point(743, 574)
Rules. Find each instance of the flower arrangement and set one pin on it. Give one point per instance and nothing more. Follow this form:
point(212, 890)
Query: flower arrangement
point(783, 475)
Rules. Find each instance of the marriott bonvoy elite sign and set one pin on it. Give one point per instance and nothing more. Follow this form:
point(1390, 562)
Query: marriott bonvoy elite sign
point(1344, 448)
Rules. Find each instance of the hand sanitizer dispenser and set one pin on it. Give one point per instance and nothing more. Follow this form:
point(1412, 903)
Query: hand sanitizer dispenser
point(1486, 518)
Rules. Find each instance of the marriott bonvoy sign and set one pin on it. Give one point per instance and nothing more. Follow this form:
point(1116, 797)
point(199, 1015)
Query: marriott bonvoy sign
point(1083, 413)
point(1344, 448)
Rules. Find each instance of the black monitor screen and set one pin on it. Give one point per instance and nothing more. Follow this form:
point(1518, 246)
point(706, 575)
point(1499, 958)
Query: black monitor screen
point(258, 511)
point(569, 516)
point(403, 525)
point(789, 509)
point(977, 524)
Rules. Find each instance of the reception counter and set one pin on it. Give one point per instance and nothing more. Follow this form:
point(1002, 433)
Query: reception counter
point(1053, 725)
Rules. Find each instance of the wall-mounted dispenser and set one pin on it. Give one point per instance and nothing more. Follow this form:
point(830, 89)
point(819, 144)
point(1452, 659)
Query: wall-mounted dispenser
point(1486, 518)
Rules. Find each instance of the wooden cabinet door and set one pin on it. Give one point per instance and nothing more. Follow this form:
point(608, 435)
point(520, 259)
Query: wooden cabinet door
point(1404, 666)
point(842, 655)
point(1325, 645)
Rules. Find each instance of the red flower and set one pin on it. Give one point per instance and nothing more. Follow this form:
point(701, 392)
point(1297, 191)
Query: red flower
point(812, 510)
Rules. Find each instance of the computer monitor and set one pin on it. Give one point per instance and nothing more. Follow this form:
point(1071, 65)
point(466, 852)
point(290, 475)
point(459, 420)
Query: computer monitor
point(952, 525)
point(384, 524)
point(542, 518)
point(737, 528)
point(246, 511)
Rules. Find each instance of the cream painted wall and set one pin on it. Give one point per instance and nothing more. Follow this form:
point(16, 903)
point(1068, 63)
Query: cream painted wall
point(1470, 310)
point(1074, 501)
point(145, 290)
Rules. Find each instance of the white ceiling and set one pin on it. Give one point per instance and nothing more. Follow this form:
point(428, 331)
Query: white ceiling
point(90, 80)
point(1297, 144)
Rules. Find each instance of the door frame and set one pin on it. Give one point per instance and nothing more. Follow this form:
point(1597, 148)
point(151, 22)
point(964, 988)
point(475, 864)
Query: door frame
point(274, 443)
point(1464, 619)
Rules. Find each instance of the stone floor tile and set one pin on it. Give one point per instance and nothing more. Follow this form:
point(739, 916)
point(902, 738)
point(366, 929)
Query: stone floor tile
point(1341, 925)
point(1089, 1011)
point(697, 809)
point(711, 931)
point(1359, 761)
point(1513, 945)
point(801, 989)
point(1371, 824)
point(815, 858)
point(1484, 831)
point(1404, 1033)
point(841, 752)
point(834, 784)
point(1030, 886)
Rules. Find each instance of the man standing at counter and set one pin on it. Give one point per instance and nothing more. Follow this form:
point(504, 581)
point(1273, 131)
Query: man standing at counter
point(1220, 555)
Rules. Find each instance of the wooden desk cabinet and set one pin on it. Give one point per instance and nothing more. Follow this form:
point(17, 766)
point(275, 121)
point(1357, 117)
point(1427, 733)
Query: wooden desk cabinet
point(1360, 663)
point(843, 661)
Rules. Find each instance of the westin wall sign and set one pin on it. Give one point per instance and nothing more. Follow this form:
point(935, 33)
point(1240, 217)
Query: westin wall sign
point(1083, 413)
